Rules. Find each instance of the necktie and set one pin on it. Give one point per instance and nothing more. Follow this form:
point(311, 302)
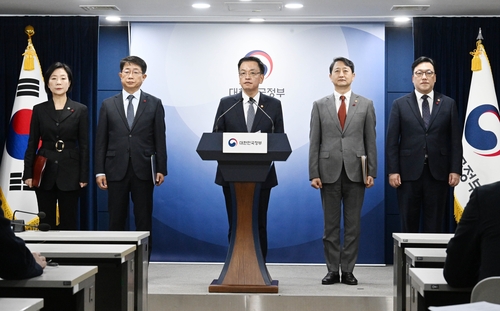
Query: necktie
point(250, 114)
point(426, 112)
point(130, 111)
point(342, 111)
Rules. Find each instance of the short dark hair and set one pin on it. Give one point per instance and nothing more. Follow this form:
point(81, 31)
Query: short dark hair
point(422, 59)
point(262, 68)
point(136, 60)
point(346, 61)
point(51, 70)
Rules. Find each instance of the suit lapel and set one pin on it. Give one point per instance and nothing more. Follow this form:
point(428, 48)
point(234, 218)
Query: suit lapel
point(331, 106)
point(50, 110)
point(412, 102)
point(353, 106)
point(435, 107)
point(118, 101)
point(259, 114)
point(143, 101)
point(240, 114)
point(67, 110)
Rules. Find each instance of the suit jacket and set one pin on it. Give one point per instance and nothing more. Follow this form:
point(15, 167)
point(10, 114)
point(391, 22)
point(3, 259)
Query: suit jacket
point(234, 121)
point(16, 261)
point(329, 145)
point(473, 253)
point(408, 141)
point(116, 143)
point(68, 168)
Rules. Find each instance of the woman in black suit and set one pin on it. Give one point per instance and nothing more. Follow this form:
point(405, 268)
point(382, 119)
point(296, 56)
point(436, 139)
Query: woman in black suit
point(59, 131)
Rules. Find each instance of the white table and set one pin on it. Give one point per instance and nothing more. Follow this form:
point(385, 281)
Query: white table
point(69, 288)
point(21, 304)
point(422, 257)
point(139, 238)
point(474, 306)
point(115, 280)
point(401, 242)
point(429, 288)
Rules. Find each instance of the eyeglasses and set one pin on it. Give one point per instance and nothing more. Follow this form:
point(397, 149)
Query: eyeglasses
point(251, 74)
point(134, 73)
point(428, 73)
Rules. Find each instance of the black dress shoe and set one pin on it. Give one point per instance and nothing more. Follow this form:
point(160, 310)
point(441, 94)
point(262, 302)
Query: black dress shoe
point(349, 279)
point(331, 278)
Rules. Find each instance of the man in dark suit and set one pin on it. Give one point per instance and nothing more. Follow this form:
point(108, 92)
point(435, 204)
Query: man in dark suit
point(342, 130)
point(232, 116)
point(473, 254)
point(131, 153)
point(423, 150)
point(16, 261)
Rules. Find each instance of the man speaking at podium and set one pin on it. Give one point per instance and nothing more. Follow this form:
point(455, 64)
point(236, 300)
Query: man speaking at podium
point(250, 111)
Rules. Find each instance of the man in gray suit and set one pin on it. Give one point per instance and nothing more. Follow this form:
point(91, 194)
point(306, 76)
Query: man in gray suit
point(342, 131)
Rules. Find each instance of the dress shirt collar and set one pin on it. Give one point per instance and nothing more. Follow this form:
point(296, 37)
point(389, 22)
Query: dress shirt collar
point(338, 101)
point(137, 95)
point(246, 98)
point(430, 100)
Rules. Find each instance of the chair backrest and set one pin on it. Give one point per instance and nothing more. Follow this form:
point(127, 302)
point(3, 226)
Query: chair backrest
point(487, 290)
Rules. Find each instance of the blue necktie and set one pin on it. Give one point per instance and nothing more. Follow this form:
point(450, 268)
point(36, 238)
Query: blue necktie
point(250, 114)
point(130, 111)
point(426, 112)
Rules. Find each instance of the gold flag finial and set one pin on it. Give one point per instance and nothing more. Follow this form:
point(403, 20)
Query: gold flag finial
point(30, 31)
point(29, 62)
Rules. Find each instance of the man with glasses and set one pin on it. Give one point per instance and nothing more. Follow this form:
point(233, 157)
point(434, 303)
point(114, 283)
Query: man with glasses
point(130, 149)
point(250, 111)
point(423, 151)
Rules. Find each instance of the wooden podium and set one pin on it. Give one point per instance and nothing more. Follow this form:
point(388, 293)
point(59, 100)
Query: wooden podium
point(244, 270)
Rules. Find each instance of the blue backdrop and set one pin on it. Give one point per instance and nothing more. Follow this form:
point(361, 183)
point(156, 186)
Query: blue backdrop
point(190, 222)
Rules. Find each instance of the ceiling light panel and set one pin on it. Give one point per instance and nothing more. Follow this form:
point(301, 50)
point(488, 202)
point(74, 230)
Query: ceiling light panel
point(98, 7)
point(254, 6)
point(403, 7)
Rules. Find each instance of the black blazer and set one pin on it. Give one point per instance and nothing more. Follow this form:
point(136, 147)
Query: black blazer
point(234, 121)
point(16, 261)
point(69, 167)
point(408, 141)
point(473, 253)
point(116, 143)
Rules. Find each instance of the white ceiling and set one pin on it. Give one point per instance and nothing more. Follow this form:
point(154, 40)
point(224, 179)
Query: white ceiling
point(313, 10)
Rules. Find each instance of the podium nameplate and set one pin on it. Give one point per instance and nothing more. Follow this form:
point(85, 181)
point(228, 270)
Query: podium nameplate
point(244, 142)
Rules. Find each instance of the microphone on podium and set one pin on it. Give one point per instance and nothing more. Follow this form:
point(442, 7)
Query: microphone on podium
point(217, 121)
point(40, 215)
point(269, 117)
point(18, 225)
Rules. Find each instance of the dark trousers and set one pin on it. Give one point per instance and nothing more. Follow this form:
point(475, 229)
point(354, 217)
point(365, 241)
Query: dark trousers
point(424, 197)
point(265, 194)
point(119, 193)
point(67, 201)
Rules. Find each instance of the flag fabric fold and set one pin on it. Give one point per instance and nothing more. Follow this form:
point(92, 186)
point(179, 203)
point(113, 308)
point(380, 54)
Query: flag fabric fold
point(481, 136)
point(30, 91)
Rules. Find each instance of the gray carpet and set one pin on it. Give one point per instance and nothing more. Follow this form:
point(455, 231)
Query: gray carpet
point(184, 286)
